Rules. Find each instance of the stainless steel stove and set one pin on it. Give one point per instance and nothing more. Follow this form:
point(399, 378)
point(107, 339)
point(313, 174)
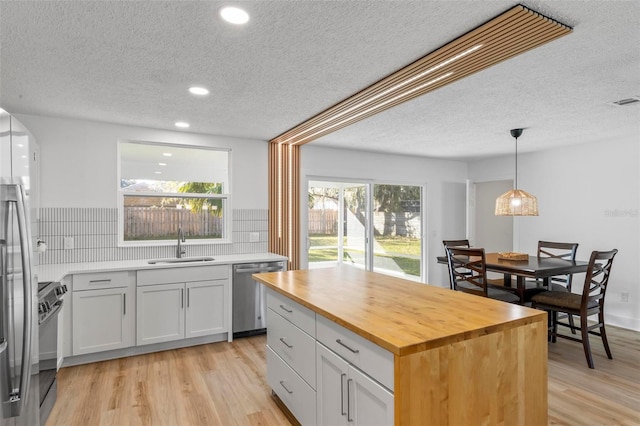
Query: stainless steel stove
point(50, 300)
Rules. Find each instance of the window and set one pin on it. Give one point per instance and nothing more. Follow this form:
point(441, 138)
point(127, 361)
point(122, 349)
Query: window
point(163, 188)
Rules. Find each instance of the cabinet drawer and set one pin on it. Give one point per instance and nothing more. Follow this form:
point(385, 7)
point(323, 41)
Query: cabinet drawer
point(297, 395)
point(182, 274)
point(367, 356)
point(293, 345)
point(100, 280)
point(302, 317)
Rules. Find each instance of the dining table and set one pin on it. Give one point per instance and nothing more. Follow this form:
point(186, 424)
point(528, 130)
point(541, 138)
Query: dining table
point(534, 267)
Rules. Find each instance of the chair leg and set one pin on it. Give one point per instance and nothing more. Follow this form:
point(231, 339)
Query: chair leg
point(603, 334)
point(554, 326)
point(573, 324)
point(585, 340)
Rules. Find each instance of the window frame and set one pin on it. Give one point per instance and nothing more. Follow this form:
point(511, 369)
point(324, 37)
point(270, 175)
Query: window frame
point(226, 197)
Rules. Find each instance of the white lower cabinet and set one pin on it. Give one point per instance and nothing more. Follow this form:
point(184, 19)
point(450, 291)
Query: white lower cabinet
point(345, 395)
point(175, 311)
point(103, 312)
point(160, 313)
point(294, 392)
point(206, 313)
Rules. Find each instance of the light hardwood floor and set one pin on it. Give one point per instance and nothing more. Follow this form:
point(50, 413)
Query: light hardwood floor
point(225, 384)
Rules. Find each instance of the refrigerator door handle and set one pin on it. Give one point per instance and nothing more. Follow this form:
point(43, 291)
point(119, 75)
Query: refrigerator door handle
point(18, 398)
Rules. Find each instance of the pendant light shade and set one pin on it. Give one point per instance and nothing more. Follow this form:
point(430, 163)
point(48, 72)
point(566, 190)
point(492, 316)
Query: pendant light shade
point(516, 202)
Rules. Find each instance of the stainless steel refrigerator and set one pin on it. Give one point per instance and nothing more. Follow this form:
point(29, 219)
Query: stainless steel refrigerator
point(18, 290)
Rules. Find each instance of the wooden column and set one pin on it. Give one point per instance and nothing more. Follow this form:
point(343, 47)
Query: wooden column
point(284, 202)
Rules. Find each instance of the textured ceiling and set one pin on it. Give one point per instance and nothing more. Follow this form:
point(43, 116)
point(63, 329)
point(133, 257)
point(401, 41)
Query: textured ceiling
point(132, 62)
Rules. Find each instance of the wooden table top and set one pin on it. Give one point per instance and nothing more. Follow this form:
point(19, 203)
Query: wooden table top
point(534, 266)
point(402, 316)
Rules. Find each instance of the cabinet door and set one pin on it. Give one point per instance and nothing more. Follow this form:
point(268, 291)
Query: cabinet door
point(369, 402)
point(102, 320)
point(160, 313)
point(331, 387)
point(206, 314)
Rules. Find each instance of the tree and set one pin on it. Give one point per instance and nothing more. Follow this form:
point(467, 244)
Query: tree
point(391, 199)
point(198, 204)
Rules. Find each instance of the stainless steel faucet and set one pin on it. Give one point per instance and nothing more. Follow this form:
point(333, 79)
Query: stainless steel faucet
point(179, 249)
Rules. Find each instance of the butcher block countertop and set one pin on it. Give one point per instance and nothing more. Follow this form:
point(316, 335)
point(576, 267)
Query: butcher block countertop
point(401, 316)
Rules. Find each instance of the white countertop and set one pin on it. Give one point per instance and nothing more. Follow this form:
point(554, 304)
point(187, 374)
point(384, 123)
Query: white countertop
point(57, 272)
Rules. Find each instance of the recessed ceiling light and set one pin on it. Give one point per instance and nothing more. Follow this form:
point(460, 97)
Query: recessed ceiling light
point(158, 173)
point(234, 15)
point(196, 90)
point(181, 124)
point(162, 164)
point(167, 154)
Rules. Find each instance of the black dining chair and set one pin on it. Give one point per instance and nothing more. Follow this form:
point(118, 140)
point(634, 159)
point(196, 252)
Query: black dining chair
point(589, 303)
point(468, 273)
point(553, 250)
point(455, 243)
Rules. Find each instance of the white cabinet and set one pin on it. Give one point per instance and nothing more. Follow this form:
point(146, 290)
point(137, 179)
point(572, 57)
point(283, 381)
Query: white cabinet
point(196, 306)
point(291, 354)
point(103, 312)
point(324, 373)
point(345, 395)
point(206, 313)
point(160, 313)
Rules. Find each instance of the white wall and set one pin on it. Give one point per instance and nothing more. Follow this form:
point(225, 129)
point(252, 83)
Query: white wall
point(395, 169)
point(589, 194)
point(78, 167)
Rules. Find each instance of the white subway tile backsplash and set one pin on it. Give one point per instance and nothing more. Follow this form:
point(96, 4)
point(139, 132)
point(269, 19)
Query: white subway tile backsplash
point(95, 234)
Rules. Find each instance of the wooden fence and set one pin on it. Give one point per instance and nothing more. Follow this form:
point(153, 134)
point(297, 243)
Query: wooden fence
point(406, 224)
point(162, 223)
point(323, 222)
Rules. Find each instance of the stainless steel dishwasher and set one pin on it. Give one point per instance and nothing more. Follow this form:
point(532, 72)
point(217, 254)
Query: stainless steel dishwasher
point(249, 300)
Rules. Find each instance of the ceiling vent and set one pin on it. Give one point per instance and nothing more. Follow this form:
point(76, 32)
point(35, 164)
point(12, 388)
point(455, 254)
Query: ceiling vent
point(625, 102)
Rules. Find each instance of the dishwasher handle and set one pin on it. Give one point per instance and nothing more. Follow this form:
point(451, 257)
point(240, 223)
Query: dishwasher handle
point(258, 270)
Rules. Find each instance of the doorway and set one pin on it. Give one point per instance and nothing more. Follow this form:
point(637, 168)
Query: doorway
point(494, 233)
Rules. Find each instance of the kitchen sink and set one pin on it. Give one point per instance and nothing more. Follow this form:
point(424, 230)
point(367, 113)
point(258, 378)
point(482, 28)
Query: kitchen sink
point(181, 260)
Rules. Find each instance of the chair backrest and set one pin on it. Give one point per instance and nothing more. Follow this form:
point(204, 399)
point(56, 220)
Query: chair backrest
point(597, 278)
point(467, 270)
point(566, 251)
point(455, 243)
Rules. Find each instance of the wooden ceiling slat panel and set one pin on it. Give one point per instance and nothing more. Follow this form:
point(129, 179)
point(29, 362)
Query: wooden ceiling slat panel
point(511, 33)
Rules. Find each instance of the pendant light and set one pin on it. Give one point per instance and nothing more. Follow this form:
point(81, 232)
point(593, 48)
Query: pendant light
point(516, 202)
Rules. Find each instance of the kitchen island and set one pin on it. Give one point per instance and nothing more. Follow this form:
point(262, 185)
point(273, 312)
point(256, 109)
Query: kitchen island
point(443, 357)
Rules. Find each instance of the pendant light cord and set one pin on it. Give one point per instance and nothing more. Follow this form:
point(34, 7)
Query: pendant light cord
point(516, 185)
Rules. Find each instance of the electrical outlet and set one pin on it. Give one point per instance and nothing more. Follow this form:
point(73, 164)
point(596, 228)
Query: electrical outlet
point(624, 297)
point(68, 243)
point(254, 237)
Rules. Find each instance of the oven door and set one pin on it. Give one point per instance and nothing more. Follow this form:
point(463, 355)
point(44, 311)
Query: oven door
point(48, 340)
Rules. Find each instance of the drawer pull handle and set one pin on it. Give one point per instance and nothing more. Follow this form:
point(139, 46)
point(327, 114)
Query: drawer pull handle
point(342, 377)
point(285, 388)
point(99, 281)
point(349, 418)
point(355, 351)
point(285, 343)
point(284, 308)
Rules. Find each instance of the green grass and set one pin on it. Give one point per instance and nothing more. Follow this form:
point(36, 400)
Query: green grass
point(399, 245)
point(395, 248)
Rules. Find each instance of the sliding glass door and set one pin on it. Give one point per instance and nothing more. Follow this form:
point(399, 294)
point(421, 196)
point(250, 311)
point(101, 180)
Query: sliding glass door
point(370, 226)
point(337, 231)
